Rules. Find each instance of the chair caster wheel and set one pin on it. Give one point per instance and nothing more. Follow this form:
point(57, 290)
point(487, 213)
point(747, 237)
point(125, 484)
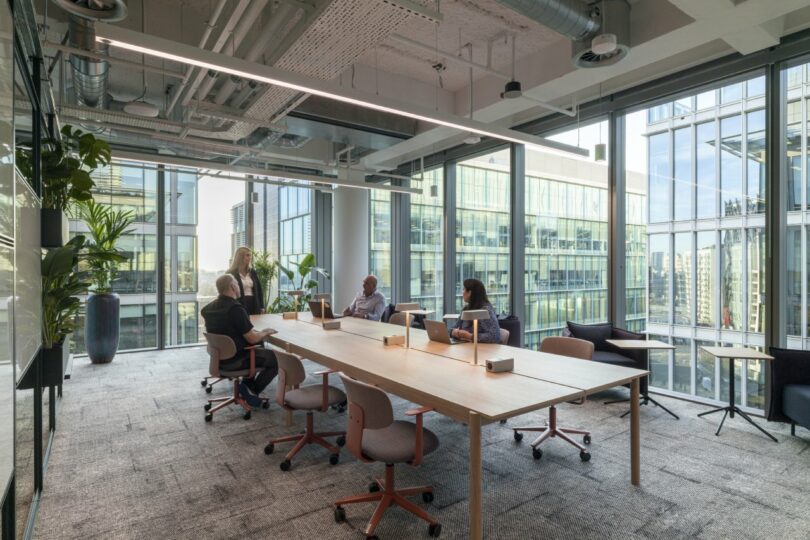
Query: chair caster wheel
point(435, 530)
point(246, 416)
point(208, 389)
point(537, 453)
point(209, 417)
point(202, 382)
point(427, 497)
point(373, 537)
point(207, 407)
point(341, 441)
point(334, 458)
point(585, 456)
point(586, 439)
point(373, 487)
point(269, 449)
point(502, 421)
point(518, 436)
point(265, 404)
point(285, 465)
point(340, 514)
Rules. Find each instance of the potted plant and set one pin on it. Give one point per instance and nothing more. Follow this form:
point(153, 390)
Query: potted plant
point(62, 284)
point(304, 270)
point(102, 324)
point(267, 270)
point(66, 165)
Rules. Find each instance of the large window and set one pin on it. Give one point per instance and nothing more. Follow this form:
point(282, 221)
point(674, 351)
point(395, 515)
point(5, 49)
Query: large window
point(380, 239)
point(426, 242)
point(566, 241)
point(295, 219)
point(483, 226)
point(705, 234)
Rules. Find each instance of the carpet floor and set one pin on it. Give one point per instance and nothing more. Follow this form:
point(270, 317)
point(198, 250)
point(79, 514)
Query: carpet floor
point(134, 458)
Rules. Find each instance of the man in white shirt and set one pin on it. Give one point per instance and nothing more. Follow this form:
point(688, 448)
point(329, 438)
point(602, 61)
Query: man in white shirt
point(369, 303)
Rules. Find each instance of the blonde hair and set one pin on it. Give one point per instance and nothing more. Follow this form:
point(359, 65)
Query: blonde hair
point(238, 260)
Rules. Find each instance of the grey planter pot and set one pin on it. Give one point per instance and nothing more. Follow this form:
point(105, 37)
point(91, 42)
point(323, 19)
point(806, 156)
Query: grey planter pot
point(102, 327)
point(54, 231)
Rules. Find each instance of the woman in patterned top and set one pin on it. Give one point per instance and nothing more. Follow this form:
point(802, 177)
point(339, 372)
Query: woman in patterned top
point(475, 297)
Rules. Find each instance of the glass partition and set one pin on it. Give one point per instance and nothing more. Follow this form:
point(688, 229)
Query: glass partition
point(427, 242)
point(380, 240)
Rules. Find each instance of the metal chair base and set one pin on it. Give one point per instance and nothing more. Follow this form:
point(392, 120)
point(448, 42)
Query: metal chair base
point(552, 430)
point(309, 437)
point(388, 496)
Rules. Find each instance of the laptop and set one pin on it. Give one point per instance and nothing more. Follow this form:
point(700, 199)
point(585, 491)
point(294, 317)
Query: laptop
point(437, 331)
point(315, 308)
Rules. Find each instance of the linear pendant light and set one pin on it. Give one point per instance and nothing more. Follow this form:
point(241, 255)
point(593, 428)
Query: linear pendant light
point(174, 51)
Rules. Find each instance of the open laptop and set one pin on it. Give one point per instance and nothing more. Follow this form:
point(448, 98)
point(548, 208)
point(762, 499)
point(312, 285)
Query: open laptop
point(315, 308)
point(437, 331)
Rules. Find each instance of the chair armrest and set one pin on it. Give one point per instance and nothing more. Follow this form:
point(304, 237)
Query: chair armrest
point(418, 449)
point(325, 388)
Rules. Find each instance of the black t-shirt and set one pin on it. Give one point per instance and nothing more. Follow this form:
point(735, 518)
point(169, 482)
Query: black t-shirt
point(228, 317)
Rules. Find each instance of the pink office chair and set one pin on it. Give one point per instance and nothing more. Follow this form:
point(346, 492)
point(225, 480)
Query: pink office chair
point(219, 347)
point(310, 398)
point(563, 346)
point(374, 435)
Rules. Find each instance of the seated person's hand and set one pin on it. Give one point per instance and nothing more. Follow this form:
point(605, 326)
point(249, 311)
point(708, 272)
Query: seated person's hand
point(267, 332)
point(347, 312)
point(462, 334)
point(359, 316)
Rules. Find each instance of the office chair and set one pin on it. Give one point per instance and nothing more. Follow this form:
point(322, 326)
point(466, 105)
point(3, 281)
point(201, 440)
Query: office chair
point(209, 382)
point(310, 398)
point(504, 336)
point(219, 347)
point(397, 318)
point(575, 348)
point(374, 435)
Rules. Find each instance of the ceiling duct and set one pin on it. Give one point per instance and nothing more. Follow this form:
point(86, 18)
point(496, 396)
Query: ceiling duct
point(90, 74)
point(600, 31)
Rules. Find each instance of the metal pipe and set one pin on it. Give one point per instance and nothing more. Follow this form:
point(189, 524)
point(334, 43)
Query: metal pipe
point(209, 27)
point(571, 18)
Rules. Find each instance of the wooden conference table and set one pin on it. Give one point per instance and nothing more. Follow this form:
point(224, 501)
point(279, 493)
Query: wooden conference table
point(442, 376)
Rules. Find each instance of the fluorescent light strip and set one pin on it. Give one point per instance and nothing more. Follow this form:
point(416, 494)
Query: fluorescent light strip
point(128, 40)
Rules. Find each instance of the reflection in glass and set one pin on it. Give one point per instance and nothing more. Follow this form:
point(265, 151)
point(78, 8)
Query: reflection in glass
point(755, 87)
point(659, 364)
point(704, 283)
point(659, 178)
point(187, 323)
point(186, 198)
point(295, 229)
point(756, 270)
point(731, 93)
point(793, 282)
point(682, 176)
point(755, 165)
point(731, 279)
point(755, 384)
point(186, 264)
point(793, 156)
point(725, 379)
point(682, 368)
point(705, 370)
point(426, 242)
point(138, 327)
point(659, 278)
point(706, 176)
point(483, 226)
point(682, 283)
point(706, 100)
point(731, 166)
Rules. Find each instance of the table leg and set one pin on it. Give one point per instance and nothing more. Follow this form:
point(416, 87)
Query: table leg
point(635, 439)
point(476, 515)
point(731, 387)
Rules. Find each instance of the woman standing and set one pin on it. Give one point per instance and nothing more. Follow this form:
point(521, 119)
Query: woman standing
point(250, 289)
point(475, 297)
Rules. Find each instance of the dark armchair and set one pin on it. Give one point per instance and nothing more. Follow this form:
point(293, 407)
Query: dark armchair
point(604, 352)
point(789, 399)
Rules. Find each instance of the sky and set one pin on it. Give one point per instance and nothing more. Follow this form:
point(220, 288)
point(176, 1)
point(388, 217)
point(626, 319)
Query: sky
point(215, 198)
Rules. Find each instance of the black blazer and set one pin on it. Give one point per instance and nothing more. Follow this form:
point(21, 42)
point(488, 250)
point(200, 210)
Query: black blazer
point(257, 288)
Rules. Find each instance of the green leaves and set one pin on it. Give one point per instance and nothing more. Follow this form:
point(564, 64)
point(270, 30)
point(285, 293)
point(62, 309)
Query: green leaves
point(62, 282)
point(106, 226)
point(66, 166)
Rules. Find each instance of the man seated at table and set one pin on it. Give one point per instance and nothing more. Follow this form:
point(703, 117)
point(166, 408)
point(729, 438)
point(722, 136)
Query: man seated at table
point(227, 316)
point(369, 303)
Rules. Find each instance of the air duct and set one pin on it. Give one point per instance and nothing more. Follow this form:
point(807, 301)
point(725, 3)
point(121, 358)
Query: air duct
point(599, 30)
point(571, 18)
point(90, 74)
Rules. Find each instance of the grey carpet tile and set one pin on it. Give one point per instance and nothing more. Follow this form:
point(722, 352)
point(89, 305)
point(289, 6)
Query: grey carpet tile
point(133, 458)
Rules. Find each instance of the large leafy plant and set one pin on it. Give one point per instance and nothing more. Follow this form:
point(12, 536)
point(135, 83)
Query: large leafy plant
point(67, 164)
point(106, 226)
point(302, 279)
point(266, 270)
point(62, 283)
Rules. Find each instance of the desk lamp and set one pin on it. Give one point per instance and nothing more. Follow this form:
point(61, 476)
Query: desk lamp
point(410, 308)
point(323, 298)
point(296, 295)
point(475, 315)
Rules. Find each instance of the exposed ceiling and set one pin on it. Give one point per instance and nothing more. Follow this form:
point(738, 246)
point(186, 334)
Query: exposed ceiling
point(369, 45)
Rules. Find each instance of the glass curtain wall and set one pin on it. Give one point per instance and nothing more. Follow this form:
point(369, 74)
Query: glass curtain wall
point(483, 226)
point(566, 240)
point(695, 167)
point(295, 229)
point(380, 239)
point(426, 242)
